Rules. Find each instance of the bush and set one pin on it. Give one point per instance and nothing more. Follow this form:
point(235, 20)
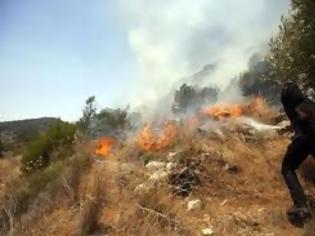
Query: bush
point(37, 153)
point(21, 192)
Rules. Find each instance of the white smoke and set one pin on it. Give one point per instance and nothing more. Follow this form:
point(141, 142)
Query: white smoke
point(173, 39)
point(259, 126)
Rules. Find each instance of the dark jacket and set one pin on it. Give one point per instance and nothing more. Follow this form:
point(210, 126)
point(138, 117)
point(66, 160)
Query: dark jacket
point(299, 109)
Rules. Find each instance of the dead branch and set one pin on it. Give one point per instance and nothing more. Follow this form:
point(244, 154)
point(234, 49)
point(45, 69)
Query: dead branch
point(160, 215)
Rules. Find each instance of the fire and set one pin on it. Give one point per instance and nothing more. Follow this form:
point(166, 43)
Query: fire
point(147, 139)
point(168, 135)
point(104, 146)
point(256, 105)
point(220, 112)
point(192, 122)
point(223, 111)
point(152, 141)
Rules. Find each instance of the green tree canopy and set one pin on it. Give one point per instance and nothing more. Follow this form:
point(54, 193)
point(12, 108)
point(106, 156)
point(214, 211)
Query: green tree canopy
point(292, 51)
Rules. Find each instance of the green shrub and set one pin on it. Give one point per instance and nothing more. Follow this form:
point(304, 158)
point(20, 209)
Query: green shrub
point(21, 192)
point(37, 153)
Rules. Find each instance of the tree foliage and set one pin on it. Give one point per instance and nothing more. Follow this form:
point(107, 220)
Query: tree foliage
point(89, 113)
point(188, 97)
point(37, 153)
point(111, 120)
point(291, 56)
point(292, 51)
point(260, 80)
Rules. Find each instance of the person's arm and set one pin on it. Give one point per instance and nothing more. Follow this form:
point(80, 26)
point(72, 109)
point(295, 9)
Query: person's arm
point(306, 110)
point(286, 129)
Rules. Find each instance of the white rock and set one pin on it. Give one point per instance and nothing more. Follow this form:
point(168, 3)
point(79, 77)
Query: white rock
point(194, 205)
point(170, 165)
point(143, 188)
point(207, 231)
point(140, 189)
point(269, 234)
point(159, 175)
point(171, 155)
point(155, 165)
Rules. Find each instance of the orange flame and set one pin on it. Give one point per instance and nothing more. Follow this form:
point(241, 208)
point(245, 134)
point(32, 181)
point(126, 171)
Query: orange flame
point(191, 123)
point(104, 146)
point(151, 141)
point(256, 105)
point(223, 111)
point(220, 112)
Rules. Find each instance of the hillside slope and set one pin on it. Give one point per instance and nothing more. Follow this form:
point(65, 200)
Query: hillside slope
point(235, 175)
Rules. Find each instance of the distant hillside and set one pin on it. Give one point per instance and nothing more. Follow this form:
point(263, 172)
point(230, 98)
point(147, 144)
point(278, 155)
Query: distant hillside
point(22, 131)
point(199, 78)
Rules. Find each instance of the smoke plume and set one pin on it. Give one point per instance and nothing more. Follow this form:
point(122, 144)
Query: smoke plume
point(174, 39)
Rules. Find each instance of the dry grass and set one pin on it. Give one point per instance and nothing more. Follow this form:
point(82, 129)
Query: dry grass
point(27, 198)
point(91, 208)
point(99, 197)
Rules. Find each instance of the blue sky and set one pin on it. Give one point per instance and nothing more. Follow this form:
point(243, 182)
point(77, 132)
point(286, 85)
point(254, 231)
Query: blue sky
point(56, 53)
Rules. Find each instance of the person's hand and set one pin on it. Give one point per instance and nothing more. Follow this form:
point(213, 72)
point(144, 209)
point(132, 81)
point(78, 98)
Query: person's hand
point(286, 129)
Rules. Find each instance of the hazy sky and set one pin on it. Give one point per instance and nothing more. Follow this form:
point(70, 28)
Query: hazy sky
point(56, 53)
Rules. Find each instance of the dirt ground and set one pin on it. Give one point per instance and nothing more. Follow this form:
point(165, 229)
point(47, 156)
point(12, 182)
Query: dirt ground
point(241, 190)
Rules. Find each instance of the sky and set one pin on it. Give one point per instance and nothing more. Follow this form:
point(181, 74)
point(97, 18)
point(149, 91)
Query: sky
point(54, 54)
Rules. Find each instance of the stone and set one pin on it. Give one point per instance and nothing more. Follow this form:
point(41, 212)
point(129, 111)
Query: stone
point(171, 156)
point(170, 165)
point(155, 165)
point(207, 232)
point(143, 188)
point(194, 205)
point(160, 175)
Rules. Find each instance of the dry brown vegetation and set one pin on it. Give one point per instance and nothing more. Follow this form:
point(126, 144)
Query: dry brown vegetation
point(241, 190)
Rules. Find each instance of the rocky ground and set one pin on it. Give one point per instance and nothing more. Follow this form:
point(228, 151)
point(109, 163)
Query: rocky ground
point(207, 183)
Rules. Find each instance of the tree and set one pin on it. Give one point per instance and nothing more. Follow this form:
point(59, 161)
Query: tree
point(111, 121)
point(260, 80)
point(89, 113)
point(188, 97)
point(292, 51)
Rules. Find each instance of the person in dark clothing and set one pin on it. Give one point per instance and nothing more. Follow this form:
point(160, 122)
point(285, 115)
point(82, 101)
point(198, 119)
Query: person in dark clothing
point(301, 113)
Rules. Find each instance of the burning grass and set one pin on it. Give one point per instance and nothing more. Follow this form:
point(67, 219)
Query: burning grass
point(149, 140)
point(234, 179)
point(104, 146)
point(255, 107)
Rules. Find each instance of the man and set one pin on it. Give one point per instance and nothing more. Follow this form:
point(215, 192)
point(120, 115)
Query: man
point(301, 113)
